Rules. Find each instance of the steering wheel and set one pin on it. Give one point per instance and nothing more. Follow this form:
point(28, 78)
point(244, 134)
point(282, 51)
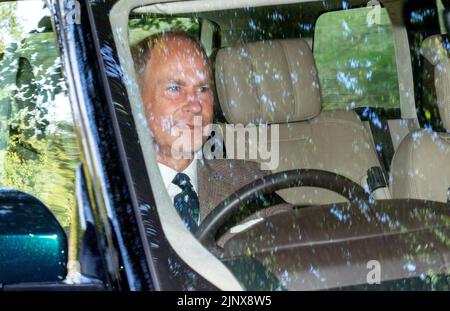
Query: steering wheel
point(207, 230)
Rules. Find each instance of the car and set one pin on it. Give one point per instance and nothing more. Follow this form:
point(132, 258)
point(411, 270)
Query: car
point(353, 93)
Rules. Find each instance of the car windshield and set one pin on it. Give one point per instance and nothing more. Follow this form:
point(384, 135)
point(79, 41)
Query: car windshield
point(305, 145)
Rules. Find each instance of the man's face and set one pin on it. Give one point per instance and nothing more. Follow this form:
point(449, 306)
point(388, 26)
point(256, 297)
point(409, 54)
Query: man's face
point(177, 88)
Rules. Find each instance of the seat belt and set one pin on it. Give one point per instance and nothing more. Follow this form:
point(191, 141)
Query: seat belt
point(383, 142)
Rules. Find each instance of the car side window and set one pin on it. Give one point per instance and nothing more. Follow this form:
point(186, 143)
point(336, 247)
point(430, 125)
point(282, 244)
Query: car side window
point(142, 26)
point(38, 150)
point(360, 70)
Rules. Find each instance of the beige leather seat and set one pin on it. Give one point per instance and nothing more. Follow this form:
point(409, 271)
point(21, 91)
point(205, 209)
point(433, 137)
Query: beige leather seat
point(276, 83)
point(421, 166)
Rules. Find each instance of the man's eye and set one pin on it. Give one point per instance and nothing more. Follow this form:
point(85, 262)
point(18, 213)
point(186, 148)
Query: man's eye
point(204, 89)
point(174, 88)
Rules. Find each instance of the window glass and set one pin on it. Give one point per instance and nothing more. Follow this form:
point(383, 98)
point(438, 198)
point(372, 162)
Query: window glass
point(144, 26)
point(265, 78)
point(355, 55)
point(38, 150)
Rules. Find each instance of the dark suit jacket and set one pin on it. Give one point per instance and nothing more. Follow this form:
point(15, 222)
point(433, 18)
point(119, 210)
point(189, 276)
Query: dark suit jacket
point(217, 179)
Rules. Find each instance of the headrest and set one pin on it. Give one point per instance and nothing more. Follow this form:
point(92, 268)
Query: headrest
point(268, 82)
point(436, 50)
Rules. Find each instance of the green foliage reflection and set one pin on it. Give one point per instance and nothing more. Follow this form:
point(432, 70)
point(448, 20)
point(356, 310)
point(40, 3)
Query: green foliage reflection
point(38, 150)
point(356, 60)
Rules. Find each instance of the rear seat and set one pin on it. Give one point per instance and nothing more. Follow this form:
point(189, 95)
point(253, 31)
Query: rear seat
point(276, 82)
point(421, 165)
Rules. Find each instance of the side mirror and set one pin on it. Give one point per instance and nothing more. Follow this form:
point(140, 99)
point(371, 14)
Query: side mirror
point(33, 245)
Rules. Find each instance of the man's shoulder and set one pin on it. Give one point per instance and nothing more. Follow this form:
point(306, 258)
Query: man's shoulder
point(231, 169)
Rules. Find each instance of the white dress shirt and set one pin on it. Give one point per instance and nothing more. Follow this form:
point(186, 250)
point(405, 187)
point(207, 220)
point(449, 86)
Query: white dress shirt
point(168, 174)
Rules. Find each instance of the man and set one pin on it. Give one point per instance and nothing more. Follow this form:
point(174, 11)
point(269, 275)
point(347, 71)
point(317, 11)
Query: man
point(175, 79)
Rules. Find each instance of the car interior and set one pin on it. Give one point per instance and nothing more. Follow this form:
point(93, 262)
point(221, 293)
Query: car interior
point(292, 94)
point(421, 150)
point(382, 122)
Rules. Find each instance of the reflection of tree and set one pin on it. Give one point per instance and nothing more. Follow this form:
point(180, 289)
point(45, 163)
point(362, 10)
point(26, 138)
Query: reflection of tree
point(356, 63)
point(147, 25)
point(10, 27)
point(41, 151)
point(10, 30)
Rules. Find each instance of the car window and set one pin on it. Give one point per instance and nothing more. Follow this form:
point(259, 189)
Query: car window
point(143, 26)
point(297, 71)
point(38, 149)
point(355, 55)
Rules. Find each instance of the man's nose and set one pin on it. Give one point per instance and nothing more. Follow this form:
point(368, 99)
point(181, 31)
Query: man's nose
point(193, 104)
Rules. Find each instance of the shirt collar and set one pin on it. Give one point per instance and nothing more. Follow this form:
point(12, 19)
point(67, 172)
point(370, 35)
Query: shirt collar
point(168, 174)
